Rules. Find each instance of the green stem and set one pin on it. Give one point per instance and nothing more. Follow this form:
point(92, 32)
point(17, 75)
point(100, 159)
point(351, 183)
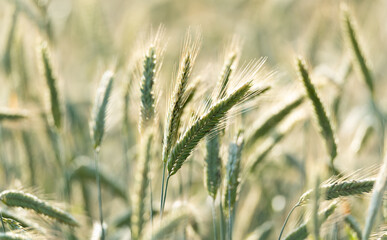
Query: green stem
point(162, 191)
point(229, 215)
point(222, 223)
point(165, 193)
point(214, 218)
point(96, 153)
point(2, 222)
point(151, 203)
point(286, 220)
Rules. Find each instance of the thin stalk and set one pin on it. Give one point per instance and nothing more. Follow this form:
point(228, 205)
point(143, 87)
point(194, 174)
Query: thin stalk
point(162, 191)
point(151, 202)
point(96, 155)
point(221, 220)
point(286, 220)
point(2, 222)
point(229, 215)
point(214, 218)
point(165, 193)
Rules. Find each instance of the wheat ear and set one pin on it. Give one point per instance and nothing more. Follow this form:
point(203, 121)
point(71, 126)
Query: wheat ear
point(51, 81)
point(322, 117)
point(14, 198)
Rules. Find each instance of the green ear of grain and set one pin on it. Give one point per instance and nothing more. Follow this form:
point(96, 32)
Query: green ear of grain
point(303, 231)
point(51, 81)
point(204, 125)
point(14, 198)
point(142, 187)
point(224, 78)
point(271, 122)
point(97, 125)
point(147, 95)
point(176, 109)
point(213, 166)
point(213, 162)
point(341, 189)
point(22, 222)
point(322, 118)
point(87, 172)
point(359, 59)
point(232, 176)
point(12, 115)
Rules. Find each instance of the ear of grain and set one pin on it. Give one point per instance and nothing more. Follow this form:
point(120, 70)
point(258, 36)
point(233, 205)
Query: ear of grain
point(51, 81)
point(376, 199)
point(204, 125)
point(263, 128)
point(322, 118)
point(147, 95)
point(142, 187)
point(12, 115)
point(14, 198)
point(358, 57)
point(232, 176)
point(302, 232)
point(97, 125)
point(225, 75)
point(175, 110)
point(213, 166)
point(213, 162)
point(341, 189)
point(24, 223)
point(87, 172)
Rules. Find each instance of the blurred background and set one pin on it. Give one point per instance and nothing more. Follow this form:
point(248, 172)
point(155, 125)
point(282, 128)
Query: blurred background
point(87, 37)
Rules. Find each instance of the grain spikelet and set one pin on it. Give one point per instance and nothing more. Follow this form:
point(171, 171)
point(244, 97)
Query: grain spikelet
point(14, 198)
point(175, 110)
point(51, 81)
point(205, 124)
point(358, 56)
point(97, 125)
point(322, 118)
point(232, 175)
point(12, 115)
point(341, 189)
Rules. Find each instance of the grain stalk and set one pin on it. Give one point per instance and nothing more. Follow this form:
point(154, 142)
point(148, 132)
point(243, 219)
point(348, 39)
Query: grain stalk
point(232, 180)
point(97, 129)
point(142, 186)
point(175, 110)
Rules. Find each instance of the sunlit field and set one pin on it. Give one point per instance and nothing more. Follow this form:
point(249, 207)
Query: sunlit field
point(205, 119)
